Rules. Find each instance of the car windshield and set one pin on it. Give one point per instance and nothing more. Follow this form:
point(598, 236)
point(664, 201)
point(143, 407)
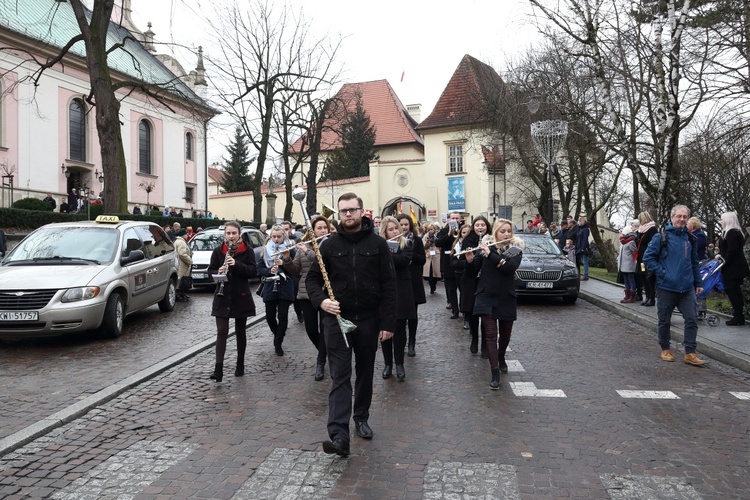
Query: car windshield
point(540, 245)
point(206, 242)
point(66, 245)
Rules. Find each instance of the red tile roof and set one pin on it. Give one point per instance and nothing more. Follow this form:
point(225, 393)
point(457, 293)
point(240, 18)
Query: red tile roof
point(216, 174)
point(461, 102)
point(393, 124)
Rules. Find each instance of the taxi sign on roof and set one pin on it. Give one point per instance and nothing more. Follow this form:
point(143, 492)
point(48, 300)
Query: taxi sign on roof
point(108, 218)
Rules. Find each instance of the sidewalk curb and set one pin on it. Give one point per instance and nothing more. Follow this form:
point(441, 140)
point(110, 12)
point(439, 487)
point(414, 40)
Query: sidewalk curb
point(72, 412)
point(712, 349)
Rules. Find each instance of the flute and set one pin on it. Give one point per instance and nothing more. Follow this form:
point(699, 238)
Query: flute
point(477, 248)
point(308, 242)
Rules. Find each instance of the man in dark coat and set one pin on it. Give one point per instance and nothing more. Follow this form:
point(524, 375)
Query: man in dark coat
point(51, 201)
point(444, 240)
point(360, 269)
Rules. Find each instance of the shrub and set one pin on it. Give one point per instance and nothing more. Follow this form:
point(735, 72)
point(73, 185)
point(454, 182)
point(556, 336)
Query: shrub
point(32, 204)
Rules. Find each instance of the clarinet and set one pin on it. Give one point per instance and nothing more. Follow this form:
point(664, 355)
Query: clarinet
point(230, 253)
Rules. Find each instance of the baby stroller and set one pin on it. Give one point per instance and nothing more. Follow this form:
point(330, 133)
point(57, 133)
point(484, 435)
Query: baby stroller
point(712, 280)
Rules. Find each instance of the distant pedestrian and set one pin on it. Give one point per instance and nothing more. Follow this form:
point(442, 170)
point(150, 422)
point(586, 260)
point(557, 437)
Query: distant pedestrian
point(673, 257)
point(137, 210)
point(570, 250)
point(626, 264)
point(735, 268)
point(646, 231)
point(694, 226)
point(184, 265)
point(583, 249)
point(50, 201)
point(3, 244)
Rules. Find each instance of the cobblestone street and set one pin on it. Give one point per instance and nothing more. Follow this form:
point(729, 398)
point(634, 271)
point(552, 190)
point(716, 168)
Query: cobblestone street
point(587, 410)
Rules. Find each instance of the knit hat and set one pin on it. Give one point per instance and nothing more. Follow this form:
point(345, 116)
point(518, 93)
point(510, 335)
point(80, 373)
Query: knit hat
point(182, 232)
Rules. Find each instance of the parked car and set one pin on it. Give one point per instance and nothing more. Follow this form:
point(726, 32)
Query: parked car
point(204, 243)
point(545, 271)
point(76, 276)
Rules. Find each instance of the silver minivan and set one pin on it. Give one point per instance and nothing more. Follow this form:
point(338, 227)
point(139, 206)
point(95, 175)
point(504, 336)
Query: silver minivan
point(77, 276)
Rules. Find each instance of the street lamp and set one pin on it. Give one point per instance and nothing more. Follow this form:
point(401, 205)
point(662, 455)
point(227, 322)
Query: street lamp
point(99, 175)
point(65, 171)
point(549, 137)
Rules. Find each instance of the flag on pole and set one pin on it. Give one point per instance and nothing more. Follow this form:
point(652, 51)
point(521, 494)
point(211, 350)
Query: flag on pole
point(399, 206)
point(413, 215)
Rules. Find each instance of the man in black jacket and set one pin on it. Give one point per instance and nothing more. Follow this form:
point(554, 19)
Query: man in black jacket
point(444, 240)
point(361, 274)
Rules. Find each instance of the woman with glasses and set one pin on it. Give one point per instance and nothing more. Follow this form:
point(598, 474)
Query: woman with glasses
point(278, 285)
point(401, 254)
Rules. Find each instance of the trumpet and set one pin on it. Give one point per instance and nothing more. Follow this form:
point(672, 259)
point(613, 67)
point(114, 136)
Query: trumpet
point(477, 248)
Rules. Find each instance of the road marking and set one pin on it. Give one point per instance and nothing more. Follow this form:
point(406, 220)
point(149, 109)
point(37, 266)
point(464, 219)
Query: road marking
point(648, 394)
point(514, 366)
point(125, 474)
point(740, 395)
point(648, 487)
point(287, 473)
point(449, 480)
point(529, 389)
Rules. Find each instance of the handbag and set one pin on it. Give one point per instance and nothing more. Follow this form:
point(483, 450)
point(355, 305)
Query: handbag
point(186, 283)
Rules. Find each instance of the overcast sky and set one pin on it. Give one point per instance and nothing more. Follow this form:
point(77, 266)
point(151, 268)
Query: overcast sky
point(423, 40)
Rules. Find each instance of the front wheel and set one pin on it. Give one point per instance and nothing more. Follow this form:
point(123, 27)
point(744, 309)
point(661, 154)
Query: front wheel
point(114, 314)
point(170, 296)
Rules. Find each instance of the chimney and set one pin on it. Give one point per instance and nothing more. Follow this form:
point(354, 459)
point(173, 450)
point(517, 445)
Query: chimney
point(415, 111)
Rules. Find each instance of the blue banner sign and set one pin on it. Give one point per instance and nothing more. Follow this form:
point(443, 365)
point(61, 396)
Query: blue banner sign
point(456, 194)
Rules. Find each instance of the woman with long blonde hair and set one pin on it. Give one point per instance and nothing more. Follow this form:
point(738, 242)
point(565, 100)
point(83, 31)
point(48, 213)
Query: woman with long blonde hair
point(495, 301)
point(401, 253)
point(735, 268)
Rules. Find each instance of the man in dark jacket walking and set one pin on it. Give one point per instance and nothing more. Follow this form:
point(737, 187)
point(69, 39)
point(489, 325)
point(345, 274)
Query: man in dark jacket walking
point(360, 269)
point(675, 264)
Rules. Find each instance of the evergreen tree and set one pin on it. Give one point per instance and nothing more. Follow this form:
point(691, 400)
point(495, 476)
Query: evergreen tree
point(236, 168)
point(357, 147)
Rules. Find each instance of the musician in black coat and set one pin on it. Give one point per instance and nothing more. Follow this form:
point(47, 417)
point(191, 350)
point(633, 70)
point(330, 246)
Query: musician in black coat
point(235, 259)
point(418, 260)
point(444, 241)
point(479, 227)
point(495, 299)
point(401, 253)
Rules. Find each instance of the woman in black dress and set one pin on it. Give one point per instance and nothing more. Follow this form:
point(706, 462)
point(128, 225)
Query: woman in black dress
point(234, 259)
point(418, 260)
point(401, 252)
point(735, 268)
point(495, 299)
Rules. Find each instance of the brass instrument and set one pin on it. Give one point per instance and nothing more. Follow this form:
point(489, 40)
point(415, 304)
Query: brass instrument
point(345, 325)
point(231, 248)
point(477, 248)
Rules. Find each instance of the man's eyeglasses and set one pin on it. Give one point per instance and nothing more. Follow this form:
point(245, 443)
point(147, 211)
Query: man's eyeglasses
point(349, 211)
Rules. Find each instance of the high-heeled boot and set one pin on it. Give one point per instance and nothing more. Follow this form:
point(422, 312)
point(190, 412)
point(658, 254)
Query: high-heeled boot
point(218, 374)
point(240, 370)
point(277, 340)
point(474, 342)
point(400, 372)
point(495, 382)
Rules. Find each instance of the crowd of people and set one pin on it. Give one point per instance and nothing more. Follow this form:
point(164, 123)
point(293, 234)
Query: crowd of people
point(369, 276)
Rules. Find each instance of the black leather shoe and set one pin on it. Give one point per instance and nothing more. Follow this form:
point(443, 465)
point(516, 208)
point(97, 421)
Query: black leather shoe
point(503, 366)
point(650, 302)
point(337, 446)
point(363, 430)
point(387, 371)
point(400, 372)
point(240, 370)
point(410, 351)
point(735, 322)
point(454, 315)
point(474, 346)
point(466, 325)
point(319, 371)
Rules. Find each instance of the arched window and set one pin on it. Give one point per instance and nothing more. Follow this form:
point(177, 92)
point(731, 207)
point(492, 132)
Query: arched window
point(189, 146)
point(77, 130)
point(144, 147)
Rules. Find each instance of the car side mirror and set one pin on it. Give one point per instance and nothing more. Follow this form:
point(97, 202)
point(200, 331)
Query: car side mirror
point(133, 256)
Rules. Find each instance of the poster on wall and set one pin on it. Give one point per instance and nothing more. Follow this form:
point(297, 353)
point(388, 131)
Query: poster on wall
point(456, 194)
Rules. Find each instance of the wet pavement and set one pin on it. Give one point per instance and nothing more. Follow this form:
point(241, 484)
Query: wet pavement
point(587, 410)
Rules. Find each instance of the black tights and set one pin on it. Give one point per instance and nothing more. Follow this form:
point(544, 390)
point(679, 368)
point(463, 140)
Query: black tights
point(734, 294)
point(278, 327)
point(314, 328)
point(394, 347)
point(492, 330)
point(412, 323)
point(222, 332)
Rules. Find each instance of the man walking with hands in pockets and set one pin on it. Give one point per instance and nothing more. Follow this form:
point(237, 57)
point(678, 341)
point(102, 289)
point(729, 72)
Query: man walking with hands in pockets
point(362, 277)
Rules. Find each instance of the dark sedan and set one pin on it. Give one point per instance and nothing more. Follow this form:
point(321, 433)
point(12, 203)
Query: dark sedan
point(545, 271)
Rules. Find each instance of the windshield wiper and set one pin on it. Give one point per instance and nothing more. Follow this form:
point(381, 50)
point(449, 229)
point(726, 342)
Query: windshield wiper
point(58, 257)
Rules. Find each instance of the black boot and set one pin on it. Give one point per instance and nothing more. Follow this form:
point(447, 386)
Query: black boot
point(495, 382)
point(218, 374)
point(639, 293)
point(410, 351)
point(388, 371)
point(474, 343)
point(277, 340)
point(400, 372)
point(503, 365)
point(319, 371)
point(240, 370)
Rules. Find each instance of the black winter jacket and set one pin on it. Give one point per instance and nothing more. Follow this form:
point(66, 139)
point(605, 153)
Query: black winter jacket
point(361, 273)
point(237, 301)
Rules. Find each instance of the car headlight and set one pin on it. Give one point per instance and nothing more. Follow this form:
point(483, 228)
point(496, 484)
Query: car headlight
point(569, 272)
point(80, 293)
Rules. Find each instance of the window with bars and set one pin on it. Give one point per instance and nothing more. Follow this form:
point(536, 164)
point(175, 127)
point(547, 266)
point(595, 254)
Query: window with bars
point(455, 158)
point(189, 194)
point(77, 130)
point(144, 147)
point(189, 146)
